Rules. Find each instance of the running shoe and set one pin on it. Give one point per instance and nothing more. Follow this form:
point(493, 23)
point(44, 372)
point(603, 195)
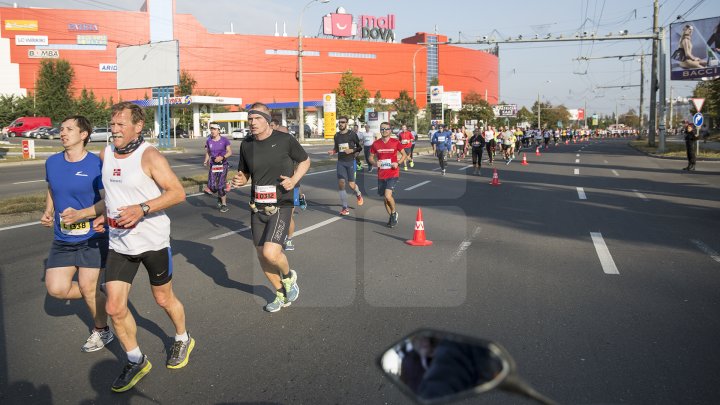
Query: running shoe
point(180, 353)
point(291, 288)
point(359, 167)
point(224, 209)
point(289, 245)
point(389, 224)
point(412, 163)
point(278, 304)
point(443, 172)
point(360, 200)
point(131, 374)
point(370, 169)
point(303, 202)
point(345, 211)
point(97, 340)
point(393, 219)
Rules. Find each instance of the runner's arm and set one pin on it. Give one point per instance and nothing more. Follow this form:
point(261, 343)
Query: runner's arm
point(49, 214)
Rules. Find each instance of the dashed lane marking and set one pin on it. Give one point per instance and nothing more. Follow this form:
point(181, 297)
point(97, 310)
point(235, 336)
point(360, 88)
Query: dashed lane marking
point(581, 193)
point(706, 249)
point(417, 185)
point(606, 260)
point(7, 228)
point(615, 172)
point(641, 195)
point(577, 171)
point(464, 245)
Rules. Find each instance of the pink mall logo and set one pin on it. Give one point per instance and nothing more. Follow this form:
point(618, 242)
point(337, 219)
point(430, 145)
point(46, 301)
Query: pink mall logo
point(339, 25)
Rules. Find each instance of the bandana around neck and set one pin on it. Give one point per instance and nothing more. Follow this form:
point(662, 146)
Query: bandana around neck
point(131, 147)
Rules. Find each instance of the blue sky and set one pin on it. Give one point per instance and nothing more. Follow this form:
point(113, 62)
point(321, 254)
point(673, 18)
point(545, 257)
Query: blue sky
point(525, 69)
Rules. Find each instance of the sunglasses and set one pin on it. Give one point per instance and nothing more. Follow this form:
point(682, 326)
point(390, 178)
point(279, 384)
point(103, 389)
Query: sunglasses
point(342, 122)
point(385, 129)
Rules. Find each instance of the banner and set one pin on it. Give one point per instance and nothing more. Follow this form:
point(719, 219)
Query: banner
point(329, 113)
point(576, 114)
point(505, 110)
point(453, 100)
point(695, 49)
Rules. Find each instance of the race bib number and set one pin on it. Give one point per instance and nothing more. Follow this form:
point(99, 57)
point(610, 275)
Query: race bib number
point(266, 194)
point(476, 144)
point(79, 228)
point(385, 164)
point(405, 142)
point(217, 168)
point(460, 143)
point(441, 139)
point(343, 146)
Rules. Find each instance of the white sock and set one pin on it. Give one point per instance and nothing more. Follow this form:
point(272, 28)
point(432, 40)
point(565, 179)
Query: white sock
point(182, 338)
point(357, 190)
point(343, 198)
point(135, 355)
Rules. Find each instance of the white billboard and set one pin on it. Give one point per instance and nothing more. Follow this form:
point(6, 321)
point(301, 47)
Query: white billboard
point(453, 100)
point(31, 40)
point(156, 64)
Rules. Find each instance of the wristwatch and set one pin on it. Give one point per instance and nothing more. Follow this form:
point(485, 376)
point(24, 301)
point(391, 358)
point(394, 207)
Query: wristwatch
point(145, 208)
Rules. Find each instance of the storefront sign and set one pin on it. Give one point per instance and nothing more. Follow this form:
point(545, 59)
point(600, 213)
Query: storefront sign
point(436, 94)
point(43, 53)
point(83, 27)
point(329, 112)
point(31, 40)
point(21, 25)
point(341, 24)
point(108, 67)
point(92, 39)
point(378, 27)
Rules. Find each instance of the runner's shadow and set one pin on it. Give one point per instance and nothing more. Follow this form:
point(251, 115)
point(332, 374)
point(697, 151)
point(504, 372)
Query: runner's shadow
point(201, 256)
point(400, 238)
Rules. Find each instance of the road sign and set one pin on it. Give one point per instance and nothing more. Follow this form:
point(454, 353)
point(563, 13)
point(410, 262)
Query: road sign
point(698, 119)
point(698, 102)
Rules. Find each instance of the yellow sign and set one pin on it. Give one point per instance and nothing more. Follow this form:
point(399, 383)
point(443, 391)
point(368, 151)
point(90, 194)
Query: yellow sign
point(329, 113)
point(21, 25)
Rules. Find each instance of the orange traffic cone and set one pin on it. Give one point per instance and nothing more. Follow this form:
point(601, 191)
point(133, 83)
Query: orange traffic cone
point(537, 151)
point(567, 142)
point(419, 235)
point(495, 180)
point(524, 162)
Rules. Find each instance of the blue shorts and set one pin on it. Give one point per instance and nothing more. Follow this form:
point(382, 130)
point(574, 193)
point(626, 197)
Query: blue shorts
point(387, 184)
point(91, 253)
point(346, 170)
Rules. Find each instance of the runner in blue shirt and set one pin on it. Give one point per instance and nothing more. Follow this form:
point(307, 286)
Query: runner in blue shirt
point(441, 142)
point(74, 209)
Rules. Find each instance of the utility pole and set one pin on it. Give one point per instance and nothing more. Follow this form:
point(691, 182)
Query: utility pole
point(654, 77)
point(642, 90)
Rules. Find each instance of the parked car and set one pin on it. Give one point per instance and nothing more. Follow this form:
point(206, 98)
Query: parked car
point(240, 133)
point(293, 129)
point(25, 124)
point(51, 133)
point(100, 134)
point(37, 132)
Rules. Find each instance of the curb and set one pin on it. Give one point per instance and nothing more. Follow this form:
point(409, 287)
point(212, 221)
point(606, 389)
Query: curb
point(656, 156)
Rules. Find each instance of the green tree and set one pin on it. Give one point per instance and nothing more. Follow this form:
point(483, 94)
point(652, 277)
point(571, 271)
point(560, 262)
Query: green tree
point(379, 103)
point(54, 94)
point(405, 108)
point(12, 107)
point(351, 96)
point(550, 115)
point(475, 108)
point(96, 111)
point(710, 91)
point(524, 115)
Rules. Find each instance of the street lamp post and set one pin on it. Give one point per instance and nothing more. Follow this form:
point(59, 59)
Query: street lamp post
point(415, 87)
point(301, 106)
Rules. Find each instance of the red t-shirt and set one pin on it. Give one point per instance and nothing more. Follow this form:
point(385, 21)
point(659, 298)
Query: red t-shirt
point(386, 154)
point(406, 138)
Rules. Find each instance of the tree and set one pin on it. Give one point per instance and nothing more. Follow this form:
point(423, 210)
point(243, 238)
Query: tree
point(524, 115)
point(351, 96)
point(379, 103)
point(54, 94)
point(12, 107)
point(96, 111)
point(405, 108)
point(475, 107)
point(710, 91)
point(550, 115)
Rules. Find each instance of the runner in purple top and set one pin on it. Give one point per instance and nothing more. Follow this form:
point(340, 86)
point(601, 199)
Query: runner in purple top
point(217, 151)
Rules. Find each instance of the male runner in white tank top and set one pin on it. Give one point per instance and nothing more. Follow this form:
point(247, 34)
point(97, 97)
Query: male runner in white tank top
point(139, 186)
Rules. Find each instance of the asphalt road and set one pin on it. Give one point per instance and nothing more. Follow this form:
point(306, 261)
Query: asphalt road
point(608, 299)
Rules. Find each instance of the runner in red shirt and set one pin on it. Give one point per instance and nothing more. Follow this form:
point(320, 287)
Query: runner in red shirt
point(383, 154)
point(406, 139)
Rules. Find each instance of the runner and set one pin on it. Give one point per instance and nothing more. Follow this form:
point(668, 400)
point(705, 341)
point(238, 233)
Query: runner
point(477, 142)
point(139, 186)
point(347, 145)
point(412, 148)
point(460, 144)
point(384, 154)
point(367, 139)
point(73, 208)
point(217, 152)
point(490, 143)
point(406, 140)
point(268, 157)
point(441, 142)
point(358, 162)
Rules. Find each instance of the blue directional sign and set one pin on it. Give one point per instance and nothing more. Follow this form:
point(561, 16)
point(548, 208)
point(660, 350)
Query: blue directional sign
point(698, 119)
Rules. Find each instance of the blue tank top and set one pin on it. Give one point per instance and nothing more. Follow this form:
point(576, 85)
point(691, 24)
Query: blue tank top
point(76, 185)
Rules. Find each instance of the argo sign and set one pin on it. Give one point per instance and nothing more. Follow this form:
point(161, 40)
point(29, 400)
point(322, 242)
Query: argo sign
point(341, 24)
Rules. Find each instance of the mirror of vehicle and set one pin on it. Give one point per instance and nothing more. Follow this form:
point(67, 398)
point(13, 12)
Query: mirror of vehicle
point(433, 367)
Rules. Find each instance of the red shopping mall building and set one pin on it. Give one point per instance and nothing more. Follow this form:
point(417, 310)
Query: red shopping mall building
point(250, 67)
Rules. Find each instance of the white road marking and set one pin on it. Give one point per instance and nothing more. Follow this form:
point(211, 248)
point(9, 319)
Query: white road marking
point(316, 226)
point(577, 155)
point(606, 260)
point(247, 228)
point(417, 185)
point(577, 171)
point(7, 228)
point(707, 249)
point(26, 182)
point(641, 195)
point(324, 171)
point(577, 160)
point(581, 193)
point(615, 173)
point(183, 165)
point(605, 161)
point(374, 188)
point(435, 169)
point(194, 195)
point(465, 167)
point(464, 245)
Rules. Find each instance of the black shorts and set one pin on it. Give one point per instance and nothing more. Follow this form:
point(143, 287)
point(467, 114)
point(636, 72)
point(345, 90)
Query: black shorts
point(158, 263)
point(91, 253)
point(346, 170)
point(387, 184)
point(270, 228)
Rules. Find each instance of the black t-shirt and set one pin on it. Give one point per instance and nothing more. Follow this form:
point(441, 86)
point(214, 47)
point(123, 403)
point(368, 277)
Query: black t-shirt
point(264, 161)
point(353, 142)
point(477, 141)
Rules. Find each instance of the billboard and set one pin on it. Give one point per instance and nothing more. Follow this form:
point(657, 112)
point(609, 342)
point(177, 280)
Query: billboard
point(436, 94)
point(453, 100)
point(695, 49)
point(505, 110)
point(576, 114)
point(156, 64)
point(329, 114)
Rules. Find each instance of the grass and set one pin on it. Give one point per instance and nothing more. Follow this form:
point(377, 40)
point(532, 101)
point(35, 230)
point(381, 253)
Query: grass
point(18, 205)
point(673, 150)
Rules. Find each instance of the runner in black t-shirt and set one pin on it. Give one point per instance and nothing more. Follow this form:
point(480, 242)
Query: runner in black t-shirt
point(269, 158)
point(347, 146)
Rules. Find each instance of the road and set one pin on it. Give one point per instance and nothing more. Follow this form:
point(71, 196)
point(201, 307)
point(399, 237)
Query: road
point(608, 299)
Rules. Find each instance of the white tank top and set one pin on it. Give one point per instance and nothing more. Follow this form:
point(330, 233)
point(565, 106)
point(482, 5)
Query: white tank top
point(127, 184)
